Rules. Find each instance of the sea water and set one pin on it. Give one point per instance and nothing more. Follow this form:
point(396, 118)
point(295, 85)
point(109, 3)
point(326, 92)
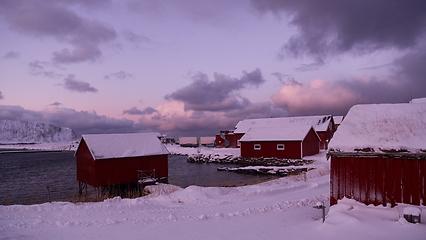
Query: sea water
point(30, 177)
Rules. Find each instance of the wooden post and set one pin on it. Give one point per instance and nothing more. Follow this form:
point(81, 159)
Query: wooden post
point(48, 195)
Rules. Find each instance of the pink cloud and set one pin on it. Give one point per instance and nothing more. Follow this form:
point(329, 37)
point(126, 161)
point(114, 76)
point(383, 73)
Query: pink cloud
point(173, 118)
point(319, 96)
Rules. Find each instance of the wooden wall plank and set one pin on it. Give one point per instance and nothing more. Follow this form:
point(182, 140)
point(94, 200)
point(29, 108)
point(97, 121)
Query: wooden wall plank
point(379, 182)
point(388, 182)
point(415, 178)
point(397, 180)
point(406, 181)
point(334, 180)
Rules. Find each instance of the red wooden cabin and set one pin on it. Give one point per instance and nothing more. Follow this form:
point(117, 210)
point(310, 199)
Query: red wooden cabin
point(111, 159)
point(378, 155)
point(294, 142)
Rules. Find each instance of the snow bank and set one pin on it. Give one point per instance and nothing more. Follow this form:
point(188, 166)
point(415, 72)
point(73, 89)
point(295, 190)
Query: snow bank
point(281, 208)
point(272, 210)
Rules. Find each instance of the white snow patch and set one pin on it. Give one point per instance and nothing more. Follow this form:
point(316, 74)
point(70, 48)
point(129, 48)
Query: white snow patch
point(106, 146)
point(319, 123)
point(382, 127)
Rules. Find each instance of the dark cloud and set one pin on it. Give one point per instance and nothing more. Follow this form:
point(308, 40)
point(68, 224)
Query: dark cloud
point(136, 111)
point(12, 55)
point(304, 67)
point(404, 82)
point(58, 20)
point(38, 68)
point(80, 53)
point(55, 104)
point(1, 95)
point(136, 38)
point(72, 84)
point(335, 26)
point(122, 75)
point(280, 76)
point(19, 113)
point(37, 65)
point(257, 110)
point(217, 95)
point(145, 7)
point(82, 122)
point(411, 67)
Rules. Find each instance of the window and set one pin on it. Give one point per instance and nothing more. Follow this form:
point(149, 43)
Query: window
point(280, 146)
point(256, 146)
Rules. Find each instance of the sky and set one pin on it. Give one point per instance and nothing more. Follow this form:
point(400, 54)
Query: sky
point(192, 68)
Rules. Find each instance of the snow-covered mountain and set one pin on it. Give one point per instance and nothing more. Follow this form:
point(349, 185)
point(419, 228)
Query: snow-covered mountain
point(33, 132)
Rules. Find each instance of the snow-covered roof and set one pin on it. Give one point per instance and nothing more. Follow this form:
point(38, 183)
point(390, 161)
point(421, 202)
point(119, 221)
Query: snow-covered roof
point(337, 119)
point(319, 123)
point(289, 133)
point(418, 100)
point(105, 146)
point(387, 127)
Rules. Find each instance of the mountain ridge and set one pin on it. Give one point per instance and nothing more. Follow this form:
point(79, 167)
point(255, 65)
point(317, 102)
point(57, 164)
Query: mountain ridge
point(34, 132)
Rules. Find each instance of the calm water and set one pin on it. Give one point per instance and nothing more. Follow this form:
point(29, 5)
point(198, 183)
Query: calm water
point(26, 177)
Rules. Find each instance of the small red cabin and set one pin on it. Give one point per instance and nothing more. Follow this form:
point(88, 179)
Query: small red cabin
point(378, 155)
point(110, 159)
point(294, 142)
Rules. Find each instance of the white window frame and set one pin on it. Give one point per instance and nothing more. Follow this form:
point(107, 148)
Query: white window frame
point(280, 149)
point(257, 146)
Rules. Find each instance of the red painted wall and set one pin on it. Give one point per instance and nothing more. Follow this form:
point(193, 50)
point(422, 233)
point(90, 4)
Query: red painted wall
point(325, 138)
point(105, 172)
point(311, 144)
point(219, 141)
point(85, 166)
point(232, 138)
point(378, 180)
point(292, 149)
point(269, 149)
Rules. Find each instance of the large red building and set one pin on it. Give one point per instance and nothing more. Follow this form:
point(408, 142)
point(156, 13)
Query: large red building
point(111, 159)
point(323, 126)
point(290, 142)
point(378, 155)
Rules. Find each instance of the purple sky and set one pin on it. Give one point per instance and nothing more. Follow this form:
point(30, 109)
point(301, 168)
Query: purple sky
point(192, 68)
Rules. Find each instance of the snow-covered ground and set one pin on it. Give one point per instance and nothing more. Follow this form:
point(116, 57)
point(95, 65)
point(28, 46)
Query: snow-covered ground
point(279, 209)
point(221, 152)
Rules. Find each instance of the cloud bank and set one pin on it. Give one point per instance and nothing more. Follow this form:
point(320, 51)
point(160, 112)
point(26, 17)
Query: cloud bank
point(332, 27)
point(58, 20)
point(82, 122)
point(206, 107)
point(217, 95)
